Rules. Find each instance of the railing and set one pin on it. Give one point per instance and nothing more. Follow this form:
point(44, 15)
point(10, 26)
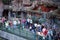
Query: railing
point(25, 33)
point(22, 32)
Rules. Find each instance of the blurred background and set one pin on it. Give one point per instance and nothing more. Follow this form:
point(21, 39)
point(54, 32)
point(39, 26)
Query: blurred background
point(26, 19)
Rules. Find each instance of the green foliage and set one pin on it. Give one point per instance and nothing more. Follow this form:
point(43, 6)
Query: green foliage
point(6, 2)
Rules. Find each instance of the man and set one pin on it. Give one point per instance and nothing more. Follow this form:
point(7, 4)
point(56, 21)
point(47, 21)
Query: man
point(50, 34)
point(44, 32)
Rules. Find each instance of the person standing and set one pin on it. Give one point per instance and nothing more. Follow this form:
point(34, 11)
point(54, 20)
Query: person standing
point(50, 34)
point(44, 32)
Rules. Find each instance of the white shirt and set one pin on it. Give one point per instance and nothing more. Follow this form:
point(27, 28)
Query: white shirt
point(14, 22)
point(31, 21)
point(35, 24)
point(6, 24)
point(30, 27)
point(28, 20)
point(18, 22)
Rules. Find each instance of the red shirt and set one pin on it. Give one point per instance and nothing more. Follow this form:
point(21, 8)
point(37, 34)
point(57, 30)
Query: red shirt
point(44, 30)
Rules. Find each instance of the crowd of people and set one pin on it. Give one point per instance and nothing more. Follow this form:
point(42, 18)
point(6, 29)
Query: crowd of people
point(41, 29)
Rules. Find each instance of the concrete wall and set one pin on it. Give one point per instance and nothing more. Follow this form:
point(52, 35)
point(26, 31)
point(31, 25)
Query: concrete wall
point(10, 36)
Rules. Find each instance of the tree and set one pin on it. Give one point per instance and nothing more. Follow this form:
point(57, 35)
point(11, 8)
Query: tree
point(7, 2)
